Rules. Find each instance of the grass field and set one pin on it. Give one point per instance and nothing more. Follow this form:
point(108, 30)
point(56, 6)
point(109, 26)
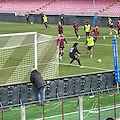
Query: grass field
point(52, 109)
point(102, 48)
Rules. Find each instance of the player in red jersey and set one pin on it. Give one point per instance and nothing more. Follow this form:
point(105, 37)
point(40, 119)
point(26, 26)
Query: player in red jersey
point(60, 29)
point(76, 26)
point(118, 26)
point(60, 45)
point(95, 32)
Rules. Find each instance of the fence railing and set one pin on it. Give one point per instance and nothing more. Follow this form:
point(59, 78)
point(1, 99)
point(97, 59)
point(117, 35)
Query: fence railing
point(97, 105)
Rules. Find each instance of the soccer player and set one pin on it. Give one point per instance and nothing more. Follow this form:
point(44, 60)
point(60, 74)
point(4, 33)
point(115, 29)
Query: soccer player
point(76, 26)
point(60, 45)
point(42, 15)
point(111, 26)
point(95, 32)
point(62, 18)
point(87, 29)
point(119, 17)
point(28, 18)
point(60, 29)
point(45, 19)
point(72, 54)
point(118, 26)
point(90, 43)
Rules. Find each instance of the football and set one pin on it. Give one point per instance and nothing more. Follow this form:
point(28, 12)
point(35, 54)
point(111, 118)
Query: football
point(99, 60)
point(31, 22)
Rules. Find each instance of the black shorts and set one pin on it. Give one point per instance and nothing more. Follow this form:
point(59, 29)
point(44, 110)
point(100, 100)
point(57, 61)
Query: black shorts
point(87, 33)
point(61, 48)
point(89, 47)
point(110, 26)
point(95, 39)
point(60, 32)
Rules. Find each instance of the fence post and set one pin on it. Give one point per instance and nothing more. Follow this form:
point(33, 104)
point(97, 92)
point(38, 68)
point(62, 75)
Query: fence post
point(62, 109)
point(1, 112)
point(22, 110)
point(43, 110)
point(80, 108)
point(114, 105)
point(98, 105)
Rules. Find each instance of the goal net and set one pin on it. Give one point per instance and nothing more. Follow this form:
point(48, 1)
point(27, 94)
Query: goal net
point(19, 52)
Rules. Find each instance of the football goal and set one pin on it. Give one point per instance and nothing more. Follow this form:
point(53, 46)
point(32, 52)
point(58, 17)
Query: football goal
point(19, 52)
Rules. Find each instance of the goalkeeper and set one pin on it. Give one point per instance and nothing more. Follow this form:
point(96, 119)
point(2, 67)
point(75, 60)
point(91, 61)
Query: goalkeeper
point(74, 51)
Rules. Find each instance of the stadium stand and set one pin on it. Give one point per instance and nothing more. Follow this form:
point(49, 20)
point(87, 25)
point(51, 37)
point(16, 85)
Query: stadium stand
point(58, 6)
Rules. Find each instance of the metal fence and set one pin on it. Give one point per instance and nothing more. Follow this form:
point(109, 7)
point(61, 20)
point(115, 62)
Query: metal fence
point(59, 87)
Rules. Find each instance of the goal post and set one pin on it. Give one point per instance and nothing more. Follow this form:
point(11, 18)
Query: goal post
point(21, 51)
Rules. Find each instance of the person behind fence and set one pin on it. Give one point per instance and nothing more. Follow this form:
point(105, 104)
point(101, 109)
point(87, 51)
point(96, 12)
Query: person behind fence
point(38, 81)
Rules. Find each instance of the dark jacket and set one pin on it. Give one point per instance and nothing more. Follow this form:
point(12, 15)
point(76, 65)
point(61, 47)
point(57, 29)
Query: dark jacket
point(37, 79)
point(73, 51)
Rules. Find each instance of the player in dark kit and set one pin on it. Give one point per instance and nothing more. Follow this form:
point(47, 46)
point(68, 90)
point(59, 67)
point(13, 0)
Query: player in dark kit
point(118, 26)
point(95, 32)
point(74, 51)
point(60, 29)
point(76, 26)
point(28, 18)
point(60, 44)
point(62, 18)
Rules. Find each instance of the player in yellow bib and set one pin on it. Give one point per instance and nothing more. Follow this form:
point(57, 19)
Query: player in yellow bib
point(90, 44)
point(45, 19)
point(111, 26)
point(87, 29)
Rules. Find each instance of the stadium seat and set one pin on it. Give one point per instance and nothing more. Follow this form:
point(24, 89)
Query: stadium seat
point(66, 6)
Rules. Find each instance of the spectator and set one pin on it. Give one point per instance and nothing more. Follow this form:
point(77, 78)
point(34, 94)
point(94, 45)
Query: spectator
point(38, 81)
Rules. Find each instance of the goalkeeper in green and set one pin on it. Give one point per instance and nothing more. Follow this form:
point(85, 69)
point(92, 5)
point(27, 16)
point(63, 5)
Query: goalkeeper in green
point(90, 43)
point(72, 54)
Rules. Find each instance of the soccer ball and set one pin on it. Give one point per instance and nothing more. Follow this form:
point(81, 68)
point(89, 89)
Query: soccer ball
point(31, 22)
point(99, 60)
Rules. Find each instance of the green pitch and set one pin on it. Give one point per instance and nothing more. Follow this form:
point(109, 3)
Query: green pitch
point(53, 111)
point(102, 49)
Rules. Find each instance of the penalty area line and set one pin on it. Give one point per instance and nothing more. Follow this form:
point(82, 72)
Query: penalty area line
point(86, 67)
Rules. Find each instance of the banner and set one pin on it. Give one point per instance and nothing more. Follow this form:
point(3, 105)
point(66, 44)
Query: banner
point(115, 57)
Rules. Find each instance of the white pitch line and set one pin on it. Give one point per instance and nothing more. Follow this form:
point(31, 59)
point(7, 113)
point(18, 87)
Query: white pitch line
point(86, 67)
point(58, 115)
